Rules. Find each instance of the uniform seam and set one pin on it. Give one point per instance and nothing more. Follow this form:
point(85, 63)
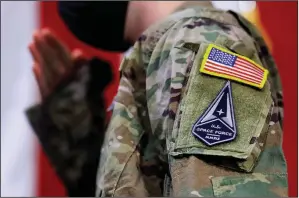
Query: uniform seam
point(191, 61)
point(132, 153)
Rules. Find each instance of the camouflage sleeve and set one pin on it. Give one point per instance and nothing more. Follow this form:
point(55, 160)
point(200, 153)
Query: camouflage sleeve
point(223, 136)
point(121, 170)
point(69, 125)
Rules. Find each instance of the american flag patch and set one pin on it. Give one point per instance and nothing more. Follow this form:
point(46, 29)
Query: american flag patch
point(225, 64)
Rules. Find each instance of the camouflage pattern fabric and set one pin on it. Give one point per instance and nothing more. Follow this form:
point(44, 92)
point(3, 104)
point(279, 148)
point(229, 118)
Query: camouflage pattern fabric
point(139, 156)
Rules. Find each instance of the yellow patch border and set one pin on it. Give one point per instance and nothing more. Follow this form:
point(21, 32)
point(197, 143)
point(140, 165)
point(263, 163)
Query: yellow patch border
point(205, 57)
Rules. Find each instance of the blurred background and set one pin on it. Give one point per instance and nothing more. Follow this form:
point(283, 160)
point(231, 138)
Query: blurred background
point(25, 171)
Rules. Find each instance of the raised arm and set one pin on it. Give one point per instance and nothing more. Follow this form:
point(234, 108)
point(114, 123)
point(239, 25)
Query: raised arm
point(69, 122)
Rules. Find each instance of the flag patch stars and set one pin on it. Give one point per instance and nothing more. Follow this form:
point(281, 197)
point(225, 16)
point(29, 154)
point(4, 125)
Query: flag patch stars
point(225, 64)
point(217, 124)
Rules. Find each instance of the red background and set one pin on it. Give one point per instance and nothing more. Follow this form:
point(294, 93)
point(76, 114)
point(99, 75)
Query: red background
point(280, 21)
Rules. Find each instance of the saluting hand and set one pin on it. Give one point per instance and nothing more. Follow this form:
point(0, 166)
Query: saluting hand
point(53, 61)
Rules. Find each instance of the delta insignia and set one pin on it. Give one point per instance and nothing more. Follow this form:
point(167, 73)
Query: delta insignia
point(225, 64)
point(217, 124)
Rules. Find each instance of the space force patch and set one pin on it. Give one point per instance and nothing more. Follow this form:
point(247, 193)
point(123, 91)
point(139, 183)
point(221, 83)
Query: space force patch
point(217, 124)
point(223, 63)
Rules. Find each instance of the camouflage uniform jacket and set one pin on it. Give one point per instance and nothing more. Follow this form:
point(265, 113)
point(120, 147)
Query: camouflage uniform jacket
point(149, 149)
